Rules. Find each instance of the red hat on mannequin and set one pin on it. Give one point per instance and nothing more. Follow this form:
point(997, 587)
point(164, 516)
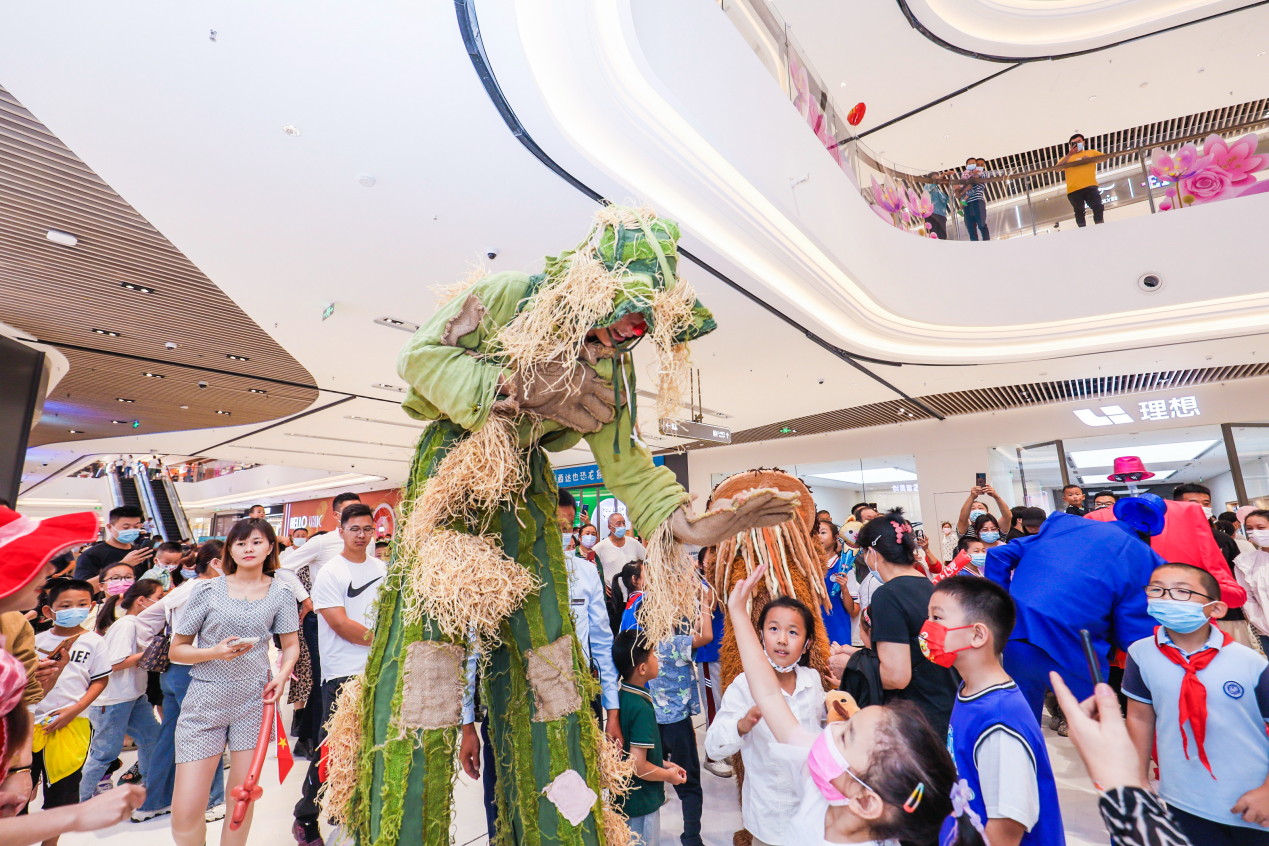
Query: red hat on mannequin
point(26, 545)
point(1129, 465)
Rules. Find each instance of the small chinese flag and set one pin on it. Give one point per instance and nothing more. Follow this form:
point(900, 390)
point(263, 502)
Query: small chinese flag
point(323, 765)
point(285, 761)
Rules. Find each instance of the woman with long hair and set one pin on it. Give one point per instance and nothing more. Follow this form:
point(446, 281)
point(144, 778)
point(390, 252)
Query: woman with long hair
point(224, 632)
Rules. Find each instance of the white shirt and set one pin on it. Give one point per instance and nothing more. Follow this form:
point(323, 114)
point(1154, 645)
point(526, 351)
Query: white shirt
point(316, 553)
point(772, 791)
point(354, 587)
point(590, 622)
point(1007, 777)
point(869, 586)
point(121, 642)
point(87, 663)
point(614, 557)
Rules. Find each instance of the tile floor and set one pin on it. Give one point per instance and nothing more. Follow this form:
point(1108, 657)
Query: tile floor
point(721, 814)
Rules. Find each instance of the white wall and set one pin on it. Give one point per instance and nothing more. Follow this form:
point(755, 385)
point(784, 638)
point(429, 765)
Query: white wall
point(67, 496)
point(948, 454)
point(1222, 490)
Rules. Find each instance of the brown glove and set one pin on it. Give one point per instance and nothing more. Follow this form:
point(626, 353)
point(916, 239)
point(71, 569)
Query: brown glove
point(570, 393)
point(757, 509)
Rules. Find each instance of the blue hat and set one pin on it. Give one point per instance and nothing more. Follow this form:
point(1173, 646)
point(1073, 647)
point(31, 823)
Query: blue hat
point(1145, 512)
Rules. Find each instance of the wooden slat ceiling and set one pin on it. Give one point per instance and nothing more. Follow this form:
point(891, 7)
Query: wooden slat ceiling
point(989, 399)
point(60, 294)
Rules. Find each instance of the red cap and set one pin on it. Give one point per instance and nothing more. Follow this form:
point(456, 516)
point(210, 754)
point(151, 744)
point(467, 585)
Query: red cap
point(26, 545)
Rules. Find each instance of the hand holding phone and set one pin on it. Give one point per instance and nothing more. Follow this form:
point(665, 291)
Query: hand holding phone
point(980, 480)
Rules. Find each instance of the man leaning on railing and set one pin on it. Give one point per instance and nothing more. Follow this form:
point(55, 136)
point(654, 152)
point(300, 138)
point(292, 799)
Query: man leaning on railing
point(1081, 181)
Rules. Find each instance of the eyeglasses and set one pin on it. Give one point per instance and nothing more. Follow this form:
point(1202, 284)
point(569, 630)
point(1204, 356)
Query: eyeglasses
point(1180, 594)
point(368, 530)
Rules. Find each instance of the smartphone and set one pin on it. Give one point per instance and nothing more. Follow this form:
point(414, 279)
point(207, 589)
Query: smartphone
point(1094, 666)
point(980, 480)
point(920, 534)
point(240, 641)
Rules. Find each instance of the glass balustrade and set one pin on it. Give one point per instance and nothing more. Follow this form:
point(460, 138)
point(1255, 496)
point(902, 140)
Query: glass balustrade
point(1171, 166)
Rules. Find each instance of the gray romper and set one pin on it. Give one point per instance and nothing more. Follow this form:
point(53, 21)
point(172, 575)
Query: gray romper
point(225, 699)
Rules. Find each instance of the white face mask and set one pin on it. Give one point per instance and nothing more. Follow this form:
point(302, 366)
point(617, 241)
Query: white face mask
point(1207, 511)
point(1260, 537)
point(947, 530)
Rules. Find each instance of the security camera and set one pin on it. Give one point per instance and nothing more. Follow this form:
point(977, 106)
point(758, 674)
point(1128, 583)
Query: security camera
point(821, 381)
point(491, 253)
point(202, 384)
point(1150, 282)
point(171, 345)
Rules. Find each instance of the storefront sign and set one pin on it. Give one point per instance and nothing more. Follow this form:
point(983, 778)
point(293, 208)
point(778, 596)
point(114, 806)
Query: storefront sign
point(910, 488)
point(1160, 409)
point(315, 514)
point(572, 477)
point(699, 431)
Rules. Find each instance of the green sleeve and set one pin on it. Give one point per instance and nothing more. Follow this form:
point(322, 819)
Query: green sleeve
point(447, 380)
point(644, 730)
point(651, 493)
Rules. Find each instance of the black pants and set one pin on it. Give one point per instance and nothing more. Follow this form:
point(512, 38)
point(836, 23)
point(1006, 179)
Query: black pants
point(678, 744)
point(938, 225)
point(307, 810)
point(313, 714)
point(1090, 196)
point(59, 794)
point(489, 779)
point(1211, 833)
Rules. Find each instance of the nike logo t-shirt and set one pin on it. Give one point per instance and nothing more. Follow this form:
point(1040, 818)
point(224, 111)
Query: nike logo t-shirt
point(353, 587)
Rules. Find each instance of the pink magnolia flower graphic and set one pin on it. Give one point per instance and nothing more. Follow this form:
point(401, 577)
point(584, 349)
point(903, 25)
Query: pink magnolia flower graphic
point(887, 196)
point(1187, 163)
point(1238, 158)
point(920, 204)
point(1206, 186)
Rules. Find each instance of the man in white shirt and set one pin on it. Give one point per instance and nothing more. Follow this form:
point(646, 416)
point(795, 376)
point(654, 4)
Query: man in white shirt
point(590, 623)
point(617, 550)
point(344, 595)
point(316, 553)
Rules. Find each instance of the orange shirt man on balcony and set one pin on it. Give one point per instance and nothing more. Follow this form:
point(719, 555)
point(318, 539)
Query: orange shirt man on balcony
point(1081, 180)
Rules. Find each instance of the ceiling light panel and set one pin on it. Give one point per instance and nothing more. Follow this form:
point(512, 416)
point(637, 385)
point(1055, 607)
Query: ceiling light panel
point(1148, 453)
point(875, 476)
point(1102, 480)
point(393, 323)
point(140, 289)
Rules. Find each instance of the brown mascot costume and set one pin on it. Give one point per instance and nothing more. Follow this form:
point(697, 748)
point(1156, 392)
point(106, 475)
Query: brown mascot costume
point(796, 569)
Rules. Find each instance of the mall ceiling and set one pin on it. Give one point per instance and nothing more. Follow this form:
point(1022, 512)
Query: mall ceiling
point(150, 339)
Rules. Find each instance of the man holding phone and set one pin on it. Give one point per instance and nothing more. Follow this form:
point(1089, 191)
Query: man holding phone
point(123, 531)
point(1081, 180)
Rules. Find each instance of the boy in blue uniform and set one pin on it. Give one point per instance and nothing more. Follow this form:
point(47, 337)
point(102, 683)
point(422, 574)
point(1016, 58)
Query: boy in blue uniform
point(994, 737)
point(1203, 702)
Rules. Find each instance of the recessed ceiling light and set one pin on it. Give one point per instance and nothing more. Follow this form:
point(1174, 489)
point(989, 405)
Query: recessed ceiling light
point(106, 332)
point(256, 391)
point(226, 413)
point(386, 387)
point(232, 357)
point(64, 238)
point(186, 407)
point(1200, 70)
point(120, 422)
point(393, 323)
point(154, 375)
point(76, 431)
point(1143, 85)
point(293, 131)
point(947, 136)
point(141, 289)
point(1094, 97)
point(121, 399)
point(365, 180)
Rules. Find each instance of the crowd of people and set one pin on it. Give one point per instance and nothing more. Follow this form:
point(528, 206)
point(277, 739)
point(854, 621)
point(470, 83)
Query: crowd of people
point(1138, 624)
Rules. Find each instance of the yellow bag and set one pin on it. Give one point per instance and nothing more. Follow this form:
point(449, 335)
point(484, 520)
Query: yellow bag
point(64, 750)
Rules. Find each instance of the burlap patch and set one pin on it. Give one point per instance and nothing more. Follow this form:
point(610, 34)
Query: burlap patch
point(432, 693)
point(550, 672)
point(465, 322)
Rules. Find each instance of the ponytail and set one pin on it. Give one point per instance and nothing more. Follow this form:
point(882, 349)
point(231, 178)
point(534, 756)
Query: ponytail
point(140, 588)
point(626, 578)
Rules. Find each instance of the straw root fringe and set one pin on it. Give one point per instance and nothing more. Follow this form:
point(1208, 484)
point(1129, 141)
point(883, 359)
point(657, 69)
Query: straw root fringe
point(463, 582)
point(446, 293)
point(343, 745)
point(616, 829)
point(671, 589)
point(480, 473)
point(671, 318)
point(616, 771)
point(554, 326)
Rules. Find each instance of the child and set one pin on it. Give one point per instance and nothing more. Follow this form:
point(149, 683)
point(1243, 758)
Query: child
point(1213, 773)
point(994, 737)
point(768, 798)
point(627, 594)
point(971, 557)
point(123, 707)
point(83, 673)
point(881, 775)
point(641, 738)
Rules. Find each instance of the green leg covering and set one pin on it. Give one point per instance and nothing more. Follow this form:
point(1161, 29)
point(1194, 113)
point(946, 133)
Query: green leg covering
point(404, 787)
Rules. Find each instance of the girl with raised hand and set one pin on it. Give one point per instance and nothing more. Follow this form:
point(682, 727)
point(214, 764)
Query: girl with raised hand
point(881, 776)
point(769, 794)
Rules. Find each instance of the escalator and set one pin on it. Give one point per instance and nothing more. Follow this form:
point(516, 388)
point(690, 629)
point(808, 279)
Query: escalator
point(168, 515)
point(123, 487)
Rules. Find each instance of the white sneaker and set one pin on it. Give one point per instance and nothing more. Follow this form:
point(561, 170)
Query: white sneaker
point(719, 768)
point(216, 813)
point(142, 816)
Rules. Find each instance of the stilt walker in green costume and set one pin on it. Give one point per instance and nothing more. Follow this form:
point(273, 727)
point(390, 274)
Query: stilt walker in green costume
point(509, 368)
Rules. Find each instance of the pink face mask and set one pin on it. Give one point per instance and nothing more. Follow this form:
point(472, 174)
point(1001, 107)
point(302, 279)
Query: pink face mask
point(118, 587)
point(826, 764)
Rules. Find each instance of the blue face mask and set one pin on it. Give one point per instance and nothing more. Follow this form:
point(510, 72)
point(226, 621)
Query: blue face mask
point(989, 537)
point(189, 574)
point(978, 559)
point(129, 535)
point(1180, 617)
point(71, 618)
point(620, 531)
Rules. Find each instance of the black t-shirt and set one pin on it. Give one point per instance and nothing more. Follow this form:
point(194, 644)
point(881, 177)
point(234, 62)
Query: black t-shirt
point(1077, 510)
point(94, 558)
point(900, 608)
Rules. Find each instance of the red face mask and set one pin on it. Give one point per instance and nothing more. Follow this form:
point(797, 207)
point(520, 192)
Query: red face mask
point(932, 638)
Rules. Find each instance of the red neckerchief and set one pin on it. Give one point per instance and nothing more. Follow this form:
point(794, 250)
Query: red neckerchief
point(1193, 704)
